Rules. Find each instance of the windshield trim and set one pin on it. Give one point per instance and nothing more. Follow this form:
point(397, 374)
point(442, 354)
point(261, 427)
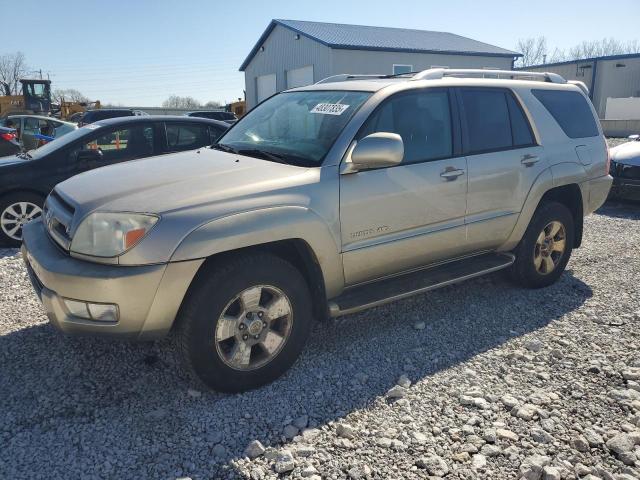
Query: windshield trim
point(319, 162)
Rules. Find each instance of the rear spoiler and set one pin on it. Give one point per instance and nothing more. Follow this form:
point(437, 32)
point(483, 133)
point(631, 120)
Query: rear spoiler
point(580, 85)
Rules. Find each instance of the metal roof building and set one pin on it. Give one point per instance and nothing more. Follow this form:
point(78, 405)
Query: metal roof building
point(609, 77)
point(293, 53)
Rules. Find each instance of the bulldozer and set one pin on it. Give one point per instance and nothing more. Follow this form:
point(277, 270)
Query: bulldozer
point(36, 99)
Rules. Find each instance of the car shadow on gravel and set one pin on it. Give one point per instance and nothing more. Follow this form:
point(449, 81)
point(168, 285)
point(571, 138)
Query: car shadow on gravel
point(7, 252)
point(81, 402)
point(620, 209)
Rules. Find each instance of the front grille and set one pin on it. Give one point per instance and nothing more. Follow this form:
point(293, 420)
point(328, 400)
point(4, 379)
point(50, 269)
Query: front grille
point(58, 214)
point(629, 171)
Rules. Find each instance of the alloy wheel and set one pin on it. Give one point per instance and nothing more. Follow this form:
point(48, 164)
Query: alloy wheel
point(550, 247)
point(15, 216)
point(253, 327)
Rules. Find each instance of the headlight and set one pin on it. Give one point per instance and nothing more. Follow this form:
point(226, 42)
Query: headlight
point(104, 234)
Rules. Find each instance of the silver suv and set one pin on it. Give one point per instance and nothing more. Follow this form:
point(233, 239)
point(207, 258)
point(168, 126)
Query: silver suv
point(323, 200)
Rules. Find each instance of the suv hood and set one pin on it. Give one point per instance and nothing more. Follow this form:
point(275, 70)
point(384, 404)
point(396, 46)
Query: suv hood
point(627, 153)
point(178, 181)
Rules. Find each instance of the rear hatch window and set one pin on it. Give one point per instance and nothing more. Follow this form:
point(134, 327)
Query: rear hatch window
point(570, 110)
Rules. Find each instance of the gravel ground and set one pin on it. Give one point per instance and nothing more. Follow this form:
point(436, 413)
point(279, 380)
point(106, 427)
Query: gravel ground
point(480, 380)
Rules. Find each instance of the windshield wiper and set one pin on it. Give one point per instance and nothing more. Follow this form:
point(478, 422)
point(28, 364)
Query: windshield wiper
point(224, 148)
point(256, 152)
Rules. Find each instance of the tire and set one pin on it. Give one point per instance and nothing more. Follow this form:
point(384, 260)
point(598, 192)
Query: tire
point(532, 267)
point(12, 209)
point(212, 347)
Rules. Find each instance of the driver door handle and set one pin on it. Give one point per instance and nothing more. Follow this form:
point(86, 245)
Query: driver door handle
point(451, 173)
point(529, 159)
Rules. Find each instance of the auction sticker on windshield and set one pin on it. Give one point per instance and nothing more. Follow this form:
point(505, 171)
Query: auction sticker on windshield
point(329, 108)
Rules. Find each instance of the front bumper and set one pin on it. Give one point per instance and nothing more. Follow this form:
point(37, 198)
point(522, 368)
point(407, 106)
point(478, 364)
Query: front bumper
point(148, 296)
point(627, 188)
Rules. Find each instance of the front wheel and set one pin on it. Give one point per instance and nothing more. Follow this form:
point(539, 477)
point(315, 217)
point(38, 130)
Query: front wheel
point(246, 323)
point(545, 249)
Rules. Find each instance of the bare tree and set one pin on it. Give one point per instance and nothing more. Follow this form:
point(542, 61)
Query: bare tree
point(533, 50)
point(175, 101)
point(212, 104)
point(606, 46)
point(68, 94)
point(13, 67)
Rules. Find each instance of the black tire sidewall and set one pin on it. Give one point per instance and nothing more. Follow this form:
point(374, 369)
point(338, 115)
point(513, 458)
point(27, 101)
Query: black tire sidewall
point(524, 267)
point(10, 199)
point(213, 295)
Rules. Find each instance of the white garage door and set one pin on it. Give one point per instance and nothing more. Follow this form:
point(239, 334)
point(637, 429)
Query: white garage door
point(300, 77)
point(266, 86)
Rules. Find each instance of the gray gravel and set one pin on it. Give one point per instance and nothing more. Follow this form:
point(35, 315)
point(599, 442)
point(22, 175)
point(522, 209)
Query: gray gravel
point(479, 380)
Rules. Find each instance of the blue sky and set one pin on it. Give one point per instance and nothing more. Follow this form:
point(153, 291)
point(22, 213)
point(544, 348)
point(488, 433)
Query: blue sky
point(138, 52)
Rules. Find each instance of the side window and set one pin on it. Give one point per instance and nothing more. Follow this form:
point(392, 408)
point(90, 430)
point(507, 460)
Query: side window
point(570, 110)
point(520, 128)
point(422, 119)
point(124, 144)
point(215, 133)
point(186, 136)
point(487, 120)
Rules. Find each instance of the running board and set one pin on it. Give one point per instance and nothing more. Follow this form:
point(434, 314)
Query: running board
point(395, 288)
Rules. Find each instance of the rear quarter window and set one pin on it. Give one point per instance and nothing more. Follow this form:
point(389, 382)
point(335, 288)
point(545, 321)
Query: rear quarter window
point(570, 110)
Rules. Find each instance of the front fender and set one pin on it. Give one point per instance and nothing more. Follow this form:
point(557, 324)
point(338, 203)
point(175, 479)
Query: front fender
point(257, 227)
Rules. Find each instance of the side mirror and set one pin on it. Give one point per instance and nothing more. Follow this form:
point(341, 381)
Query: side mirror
point(92, 155)
point(378, 150)
point(635, 137)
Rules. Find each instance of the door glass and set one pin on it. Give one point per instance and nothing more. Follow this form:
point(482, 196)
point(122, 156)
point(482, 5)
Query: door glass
point(186, 137)
point(123, 144)
point(522, 136)
point(487, 120)
point(422, 119)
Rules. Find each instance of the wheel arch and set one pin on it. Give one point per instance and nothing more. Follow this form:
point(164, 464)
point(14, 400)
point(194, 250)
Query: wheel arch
point(570, 195)
point(296, 251)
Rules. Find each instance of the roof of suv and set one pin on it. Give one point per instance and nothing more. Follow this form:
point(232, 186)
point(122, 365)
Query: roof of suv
point(444, 77)
point(156, 118)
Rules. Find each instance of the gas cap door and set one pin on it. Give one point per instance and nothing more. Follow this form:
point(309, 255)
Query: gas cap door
point(583, 154)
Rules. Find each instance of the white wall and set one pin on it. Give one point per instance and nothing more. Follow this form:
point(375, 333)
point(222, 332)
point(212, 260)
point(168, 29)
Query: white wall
point(623, 108)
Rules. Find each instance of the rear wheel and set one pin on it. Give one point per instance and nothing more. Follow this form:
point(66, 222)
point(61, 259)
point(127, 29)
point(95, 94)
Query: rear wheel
point(245, 324)
point(545, 249)
point(16, 210)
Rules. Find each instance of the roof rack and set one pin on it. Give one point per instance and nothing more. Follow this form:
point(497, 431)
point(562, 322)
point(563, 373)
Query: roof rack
point(438, 73)
point(343, 77)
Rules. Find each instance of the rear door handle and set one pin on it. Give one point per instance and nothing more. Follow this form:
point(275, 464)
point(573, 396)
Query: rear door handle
point(529, 159)
point(451, 173)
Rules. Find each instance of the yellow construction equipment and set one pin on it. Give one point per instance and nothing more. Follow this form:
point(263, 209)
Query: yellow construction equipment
point(36, 99)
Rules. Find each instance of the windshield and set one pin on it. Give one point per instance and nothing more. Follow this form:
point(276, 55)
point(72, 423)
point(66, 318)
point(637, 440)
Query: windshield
point(60, 142)
point(299, 128)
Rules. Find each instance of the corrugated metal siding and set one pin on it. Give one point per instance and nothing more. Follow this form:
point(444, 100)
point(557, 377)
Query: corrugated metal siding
point(283, 52)
point(372, 62)
point(611, 81)
point(616, 82)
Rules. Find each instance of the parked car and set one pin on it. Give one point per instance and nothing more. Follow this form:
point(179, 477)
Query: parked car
point(26, 179)
point(625, 169)
point(323, 200)
point(33, 129)
point(9, 144)
point(221, 115)
point(91, 116)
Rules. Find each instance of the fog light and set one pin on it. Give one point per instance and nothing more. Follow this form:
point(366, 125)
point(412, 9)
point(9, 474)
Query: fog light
point(77, 309)
point(100, 312)
point(103, 312)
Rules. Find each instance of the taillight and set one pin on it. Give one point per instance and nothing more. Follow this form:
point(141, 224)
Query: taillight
point(8, 136)
point(608, 164)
